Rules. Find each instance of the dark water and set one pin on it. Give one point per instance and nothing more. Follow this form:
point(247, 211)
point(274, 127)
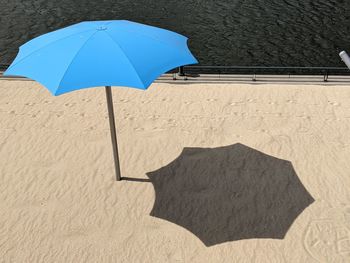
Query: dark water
point(225, 32)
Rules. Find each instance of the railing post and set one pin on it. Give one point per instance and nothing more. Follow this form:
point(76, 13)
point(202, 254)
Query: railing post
point(181, 71)
point(254, 77)
point(325, 76)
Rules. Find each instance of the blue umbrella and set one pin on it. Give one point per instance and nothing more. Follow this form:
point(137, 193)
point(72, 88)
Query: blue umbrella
point(101, 53)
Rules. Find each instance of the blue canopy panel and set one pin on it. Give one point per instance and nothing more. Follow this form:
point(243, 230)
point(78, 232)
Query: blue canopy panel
point(101, 53)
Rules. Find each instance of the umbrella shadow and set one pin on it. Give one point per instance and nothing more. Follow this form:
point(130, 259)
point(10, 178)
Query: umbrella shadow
point(229, 193)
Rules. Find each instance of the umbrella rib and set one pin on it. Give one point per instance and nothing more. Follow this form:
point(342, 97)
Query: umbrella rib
point(53, 42)
point(128, 59)
point(76, 54)
point(157, 40)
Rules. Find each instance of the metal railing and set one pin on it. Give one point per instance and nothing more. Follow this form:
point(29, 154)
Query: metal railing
point(196, 70)
point(232, 70)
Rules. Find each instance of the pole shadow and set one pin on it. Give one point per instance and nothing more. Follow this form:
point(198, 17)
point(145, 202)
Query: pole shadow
point(132, 179)
point(229, 193)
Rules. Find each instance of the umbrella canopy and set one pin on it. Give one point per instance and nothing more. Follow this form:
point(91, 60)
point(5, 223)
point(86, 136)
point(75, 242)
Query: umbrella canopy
point(101, 53)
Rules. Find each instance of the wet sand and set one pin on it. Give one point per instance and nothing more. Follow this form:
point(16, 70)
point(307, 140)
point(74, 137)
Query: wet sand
point(59, 201)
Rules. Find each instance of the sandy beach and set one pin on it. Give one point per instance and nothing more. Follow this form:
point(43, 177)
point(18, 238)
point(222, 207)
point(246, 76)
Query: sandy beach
point(59, 201)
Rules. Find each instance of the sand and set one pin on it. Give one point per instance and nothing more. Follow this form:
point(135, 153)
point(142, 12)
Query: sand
point(59, 201)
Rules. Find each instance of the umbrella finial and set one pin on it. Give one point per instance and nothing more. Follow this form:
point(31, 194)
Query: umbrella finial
point(100, 28)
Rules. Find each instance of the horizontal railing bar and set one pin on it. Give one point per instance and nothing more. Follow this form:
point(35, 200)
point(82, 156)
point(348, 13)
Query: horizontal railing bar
point(262, 67)
point(247, 78)
point(278, 70)
point(5, 66)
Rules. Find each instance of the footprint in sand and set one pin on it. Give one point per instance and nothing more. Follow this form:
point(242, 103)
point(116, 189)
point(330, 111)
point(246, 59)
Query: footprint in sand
point(154, 117)
point(235, 103)
point(139, 129)
point(327, 240)
point(29, 104)
point(59, 114)
point(334, 103)
point(211, 99)
point(157, 129)
point(128, 117)
point(70, 104)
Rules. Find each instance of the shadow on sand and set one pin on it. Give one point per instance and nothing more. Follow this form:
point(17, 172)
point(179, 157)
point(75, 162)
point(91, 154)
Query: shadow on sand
point(229, 193)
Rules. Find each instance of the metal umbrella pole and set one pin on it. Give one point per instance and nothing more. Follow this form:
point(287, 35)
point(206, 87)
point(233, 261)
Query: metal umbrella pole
point(113, 132)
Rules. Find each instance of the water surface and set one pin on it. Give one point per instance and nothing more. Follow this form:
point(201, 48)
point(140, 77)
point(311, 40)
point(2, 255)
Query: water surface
point(225, 32)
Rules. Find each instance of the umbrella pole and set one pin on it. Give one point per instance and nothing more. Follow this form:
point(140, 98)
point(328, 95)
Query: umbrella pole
point(113, 132)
